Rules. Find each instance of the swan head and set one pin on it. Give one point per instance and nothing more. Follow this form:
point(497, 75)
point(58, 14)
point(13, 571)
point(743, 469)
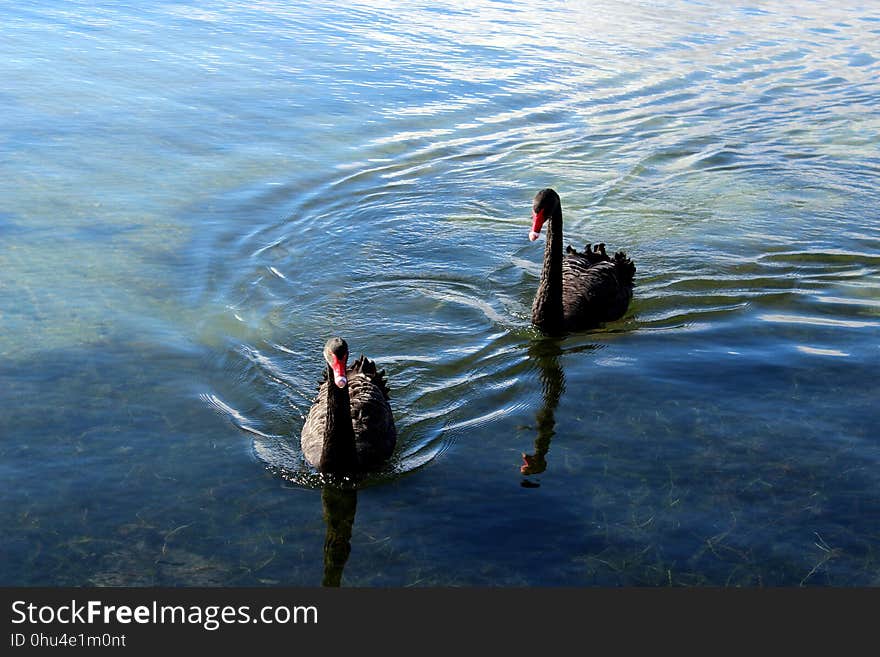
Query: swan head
point(545, 205)
point(336, 355)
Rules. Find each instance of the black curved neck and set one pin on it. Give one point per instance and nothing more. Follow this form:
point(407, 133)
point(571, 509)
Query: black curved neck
point(338, 455)
point(547, 310)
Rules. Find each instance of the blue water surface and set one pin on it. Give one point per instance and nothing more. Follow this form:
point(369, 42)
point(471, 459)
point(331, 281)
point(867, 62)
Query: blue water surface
point(196, 195)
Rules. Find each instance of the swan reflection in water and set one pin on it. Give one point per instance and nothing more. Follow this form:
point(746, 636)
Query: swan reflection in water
point(339, 505)
point(349, 432)
point(545, 353)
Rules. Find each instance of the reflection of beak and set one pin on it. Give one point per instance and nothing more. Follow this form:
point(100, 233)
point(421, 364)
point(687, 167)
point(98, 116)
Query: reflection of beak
point(339, 372)
point(532, 464)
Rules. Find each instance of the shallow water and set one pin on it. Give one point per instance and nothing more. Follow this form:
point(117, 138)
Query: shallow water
point(196, 197)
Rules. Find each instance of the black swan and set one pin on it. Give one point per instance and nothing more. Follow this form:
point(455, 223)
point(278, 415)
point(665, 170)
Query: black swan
point(350, 428)
point(578, 290)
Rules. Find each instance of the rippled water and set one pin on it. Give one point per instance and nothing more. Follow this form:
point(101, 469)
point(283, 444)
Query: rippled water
point(196, 195)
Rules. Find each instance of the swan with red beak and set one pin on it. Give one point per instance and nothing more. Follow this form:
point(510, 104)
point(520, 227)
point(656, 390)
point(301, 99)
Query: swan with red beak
point(350, 427)
point(577, 290)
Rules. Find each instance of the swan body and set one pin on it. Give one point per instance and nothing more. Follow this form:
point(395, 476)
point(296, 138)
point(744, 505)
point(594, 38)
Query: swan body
point(350, 427)
point(578, 290)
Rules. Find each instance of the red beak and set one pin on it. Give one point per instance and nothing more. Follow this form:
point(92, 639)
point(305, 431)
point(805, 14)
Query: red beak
point(537, 221)
point(338, 367)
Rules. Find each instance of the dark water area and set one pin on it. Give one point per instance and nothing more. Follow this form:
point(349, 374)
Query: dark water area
point(195, 197)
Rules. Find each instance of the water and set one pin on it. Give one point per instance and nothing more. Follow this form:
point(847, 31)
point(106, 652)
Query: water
point(196, 195)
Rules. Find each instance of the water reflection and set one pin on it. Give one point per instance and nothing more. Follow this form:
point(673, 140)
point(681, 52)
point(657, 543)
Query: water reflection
point(545, 353)
point(339, 506)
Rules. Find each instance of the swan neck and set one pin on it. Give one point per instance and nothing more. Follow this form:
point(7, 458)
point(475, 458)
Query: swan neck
point(338, 455)
point(547, 313)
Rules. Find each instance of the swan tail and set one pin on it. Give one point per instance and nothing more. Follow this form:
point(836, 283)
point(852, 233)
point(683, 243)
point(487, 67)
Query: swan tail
point(592, 254)
point(626, 270)
point(364, 365)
